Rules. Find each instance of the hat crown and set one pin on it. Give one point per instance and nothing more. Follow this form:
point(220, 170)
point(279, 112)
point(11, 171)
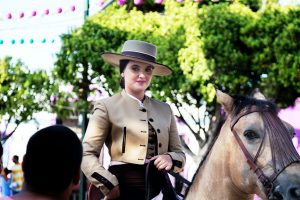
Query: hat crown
point(140, 47)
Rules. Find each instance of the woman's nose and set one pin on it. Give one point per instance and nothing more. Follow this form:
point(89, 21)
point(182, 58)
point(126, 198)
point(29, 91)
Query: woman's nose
point(142, 73)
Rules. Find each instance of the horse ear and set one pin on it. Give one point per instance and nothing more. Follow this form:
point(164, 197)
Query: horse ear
point(258, 95)
point(225, 100)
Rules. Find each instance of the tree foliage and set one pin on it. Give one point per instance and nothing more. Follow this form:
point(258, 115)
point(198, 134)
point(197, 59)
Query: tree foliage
point(273, 41)
point(22, 93)
point(79, 64)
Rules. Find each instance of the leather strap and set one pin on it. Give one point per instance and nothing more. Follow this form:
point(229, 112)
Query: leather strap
point(250, 160)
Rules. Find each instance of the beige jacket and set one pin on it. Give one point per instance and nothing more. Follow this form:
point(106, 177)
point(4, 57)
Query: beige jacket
point(122, 124)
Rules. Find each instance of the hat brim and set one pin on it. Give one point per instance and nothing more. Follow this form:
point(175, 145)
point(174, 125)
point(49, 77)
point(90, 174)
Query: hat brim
point(114, 60)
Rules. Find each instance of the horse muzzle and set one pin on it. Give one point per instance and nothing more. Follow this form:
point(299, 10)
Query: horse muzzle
point(288, 191)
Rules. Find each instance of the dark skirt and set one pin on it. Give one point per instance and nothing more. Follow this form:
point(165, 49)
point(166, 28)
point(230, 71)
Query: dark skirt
point(132, 181)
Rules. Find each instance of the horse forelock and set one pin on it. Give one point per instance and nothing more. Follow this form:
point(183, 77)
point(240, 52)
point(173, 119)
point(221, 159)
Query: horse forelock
point(245, 103)
point(283, 151)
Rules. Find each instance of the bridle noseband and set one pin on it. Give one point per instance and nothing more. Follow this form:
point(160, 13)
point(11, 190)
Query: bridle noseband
point(267, 182)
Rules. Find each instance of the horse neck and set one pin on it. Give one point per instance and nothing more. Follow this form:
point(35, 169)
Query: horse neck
point(213, 180)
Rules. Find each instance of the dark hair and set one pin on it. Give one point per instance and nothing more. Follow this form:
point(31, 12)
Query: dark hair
point(123, 64)
point(53, 157)
point(1, 149)
point(15, 157)
point(6, 171)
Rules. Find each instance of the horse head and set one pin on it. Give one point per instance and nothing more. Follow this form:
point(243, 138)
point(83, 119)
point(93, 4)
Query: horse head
point(262, 157)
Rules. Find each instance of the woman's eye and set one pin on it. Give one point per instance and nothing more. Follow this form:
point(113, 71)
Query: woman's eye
point(149, 69)
point(251, 135)
point(135, 68)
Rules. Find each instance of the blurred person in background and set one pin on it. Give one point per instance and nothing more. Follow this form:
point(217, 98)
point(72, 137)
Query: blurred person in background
point(16, 176)
point(5, 181)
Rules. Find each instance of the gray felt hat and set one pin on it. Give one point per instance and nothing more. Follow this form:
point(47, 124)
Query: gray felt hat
point(138, 51)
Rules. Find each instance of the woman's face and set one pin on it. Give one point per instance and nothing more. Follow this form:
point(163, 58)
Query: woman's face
point(137, 76)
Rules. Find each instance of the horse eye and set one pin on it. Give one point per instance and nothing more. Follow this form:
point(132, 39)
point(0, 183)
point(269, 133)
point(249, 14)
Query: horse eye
point(251, 135)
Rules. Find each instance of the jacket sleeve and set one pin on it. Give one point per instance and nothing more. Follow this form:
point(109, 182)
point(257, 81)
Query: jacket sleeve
point(94, 139)
point(175, 147)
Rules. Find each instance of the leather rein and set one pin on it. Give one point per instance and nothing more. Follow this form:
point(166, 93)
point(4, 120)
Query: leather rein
point(267, 182)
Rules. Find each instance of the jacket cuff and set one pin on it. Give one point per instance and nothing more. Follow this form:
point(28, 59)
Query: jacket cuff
point(107, 185)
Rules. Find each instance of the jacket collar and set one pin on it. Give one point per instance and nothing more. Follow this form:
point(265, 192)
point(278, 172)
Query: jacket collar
point(133, 100)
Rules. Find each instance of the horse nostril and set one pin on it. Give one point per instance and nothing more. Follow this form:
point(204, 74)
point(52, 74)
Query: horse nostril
point(295, 192)
point(276, 194)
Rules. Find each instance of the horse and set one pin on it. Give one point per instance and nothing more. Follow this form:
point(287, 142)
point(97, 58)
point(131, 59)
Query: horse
point(252, 154)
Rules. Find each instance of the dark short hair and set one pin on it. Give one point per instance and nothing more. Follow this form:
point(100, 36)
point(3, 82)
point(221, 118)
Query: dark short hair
point(16, 157)
point(53, 157)
point(123, 64)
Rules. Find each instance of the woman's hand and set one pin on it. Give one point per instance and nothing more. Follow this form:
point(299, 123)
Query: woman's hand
point(163, 162)
point(113, 194)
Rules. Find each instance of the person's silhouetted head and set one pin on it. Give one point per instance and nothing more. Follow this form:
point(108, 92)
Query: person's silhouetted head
point(15, 159)
point(52, 160)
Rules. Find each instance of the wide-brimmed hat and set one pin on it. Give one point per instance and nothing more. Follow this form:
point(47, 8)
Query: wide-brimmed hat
point(138, 51)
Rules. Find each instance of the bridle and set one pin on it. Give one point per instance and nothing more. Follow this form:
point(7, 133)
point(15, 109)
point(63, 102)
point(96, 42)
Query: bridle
point(266, 181)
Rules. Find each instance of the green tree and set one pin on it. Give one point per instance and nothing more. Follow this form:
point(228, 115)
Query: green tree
point(273, 40)
point(22, 93)
point(79, 65)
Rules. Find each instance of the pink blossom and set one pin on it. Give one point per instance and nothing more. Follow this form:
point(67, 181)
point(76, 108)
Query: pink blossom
point(9, 16)
point(73, 8)
point(94, 86)
point(46, 11)
point(138, 2)
point(22, 14)
point(121, 2)
point(52, 98)
point(101, 2)
point(59, 10)
point(33, 13)
point(158, 1)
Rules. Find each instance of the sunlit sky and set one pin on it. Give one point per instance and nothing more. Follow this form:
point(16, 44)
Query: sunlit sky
point(37, 37)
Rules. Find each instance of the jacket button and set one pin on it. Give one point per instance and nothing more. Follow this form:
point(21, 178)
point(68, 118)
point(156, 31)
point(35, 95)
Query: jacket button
point(143, 110)
point(158, 130)
point(159, 145)
point(150, 119)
